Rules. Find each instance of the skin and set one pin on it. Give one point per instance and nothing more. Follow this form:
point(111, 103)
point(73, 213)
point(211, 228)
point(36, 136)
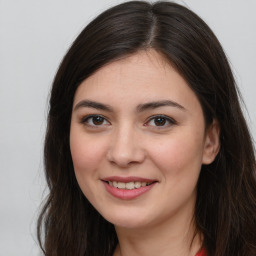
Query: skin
point(131, 141)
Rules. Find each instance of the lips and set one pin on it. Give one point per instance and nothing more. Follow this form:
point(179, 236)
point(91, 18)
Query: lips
point(128, 187)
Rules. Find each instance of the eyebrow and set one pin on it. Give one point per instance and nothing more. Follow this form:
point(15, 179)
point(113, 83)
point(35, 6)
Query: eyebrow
point(140, 108)
point(158, 104)
point(93, 104)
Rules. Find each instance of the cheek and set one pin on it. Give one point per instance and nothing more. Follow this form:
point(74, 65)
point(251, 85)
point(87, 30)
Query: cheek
point(86, 152)
point(180, 155)
point(87, 155)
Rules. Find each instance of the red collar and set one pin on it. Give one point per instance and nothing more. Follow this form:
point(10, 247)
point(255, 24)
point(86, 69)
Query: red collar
point(202, 252)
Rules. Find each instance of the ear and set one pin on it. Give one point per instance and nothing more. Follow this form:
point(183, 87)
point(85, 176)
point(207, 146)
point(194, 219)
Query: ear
point(212, 142)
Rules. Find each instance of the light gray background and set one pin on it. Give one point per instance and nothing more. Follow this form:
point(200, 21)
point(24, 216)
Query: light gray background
point(34, 35)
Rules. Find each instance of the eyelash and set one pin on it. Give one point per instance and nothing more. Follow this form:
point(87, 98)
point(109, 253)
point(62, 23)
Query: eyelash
point(166, 119)
point(85, 120)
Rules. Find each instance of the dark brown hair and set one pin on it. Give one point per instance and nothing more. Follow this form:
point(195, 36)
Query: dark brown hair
point(225, 211)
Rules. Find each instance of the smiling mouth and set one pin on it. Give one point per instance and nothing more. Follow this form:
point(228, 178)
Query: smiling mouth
point(128, 185)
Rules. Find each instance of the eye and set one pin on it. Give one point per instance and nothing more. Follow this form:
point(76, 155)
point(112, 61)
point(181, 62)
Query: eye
point(95, 120)
point(160, 121)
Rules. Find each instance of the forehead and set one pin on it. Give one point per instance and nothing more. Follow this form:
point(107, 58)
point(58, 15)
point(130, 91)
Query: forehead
point(136, 67)
point(143, 76)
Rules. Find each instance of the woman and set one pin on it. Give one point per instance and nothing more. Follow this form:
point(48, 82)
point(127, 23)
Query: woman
point(147, 151)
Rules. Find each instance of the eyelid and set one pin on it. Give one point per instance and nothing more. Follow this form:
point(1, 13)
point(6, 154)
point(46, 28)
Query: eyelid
point(169, 121)
point(84, 120)
point(167, 118)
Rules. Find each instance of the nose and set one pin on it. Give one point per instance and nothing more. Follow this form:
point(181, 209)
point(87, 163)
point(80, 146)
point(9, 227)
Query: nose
point(126, 148)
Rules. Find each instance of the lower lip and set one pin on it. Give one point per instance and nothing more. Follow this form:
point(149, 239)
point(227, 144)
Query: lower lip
point(127, 194)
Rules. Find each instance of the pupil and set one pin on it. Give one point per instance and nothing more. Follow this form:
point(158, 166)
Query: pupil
point(160, 121)
point(97, 120)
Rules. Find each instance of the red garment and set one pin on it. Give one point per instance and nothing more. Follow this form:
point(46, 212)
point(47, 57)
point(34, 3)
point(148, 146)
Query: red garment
point(201, 253)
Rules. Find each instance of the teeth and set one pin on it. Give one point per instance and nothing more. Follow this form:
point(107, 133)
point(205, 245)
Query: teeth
point(121, 185)
point(128, 185)
point(137, 184)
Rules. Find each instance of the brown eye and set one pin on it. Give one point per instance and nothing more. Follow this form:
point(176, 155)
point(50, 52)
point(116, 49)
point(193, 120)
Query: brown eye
point(97, 120)
point(159, 121)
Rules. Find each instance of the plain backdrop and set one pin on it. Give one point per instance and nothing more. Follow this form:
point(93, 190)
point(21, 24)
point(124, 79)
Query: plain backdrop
point(34, 36)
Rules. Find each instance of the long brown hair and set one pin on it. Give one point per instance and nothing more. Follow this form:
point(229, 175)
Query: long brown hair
point(225, 211)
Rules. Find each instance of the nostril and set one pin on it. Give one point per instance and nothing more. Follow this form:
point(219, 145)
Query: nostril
point(125, 155)
point(125, 158)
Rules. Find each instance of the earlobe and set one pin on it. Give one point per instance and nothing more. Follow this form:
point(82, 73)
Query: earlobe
point(212, 143)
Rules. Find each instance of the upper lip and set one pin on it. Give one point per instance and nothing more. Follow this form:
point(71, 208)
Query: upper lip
point(128, 179)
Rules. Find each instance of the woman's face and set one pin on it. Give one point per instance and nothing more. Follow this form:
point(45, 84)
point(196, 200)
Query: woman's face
point(138, 140)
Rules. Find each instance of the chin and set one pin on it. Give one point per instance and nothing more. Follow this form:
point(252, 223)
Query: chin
point(128, 220)
point(128, 223)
